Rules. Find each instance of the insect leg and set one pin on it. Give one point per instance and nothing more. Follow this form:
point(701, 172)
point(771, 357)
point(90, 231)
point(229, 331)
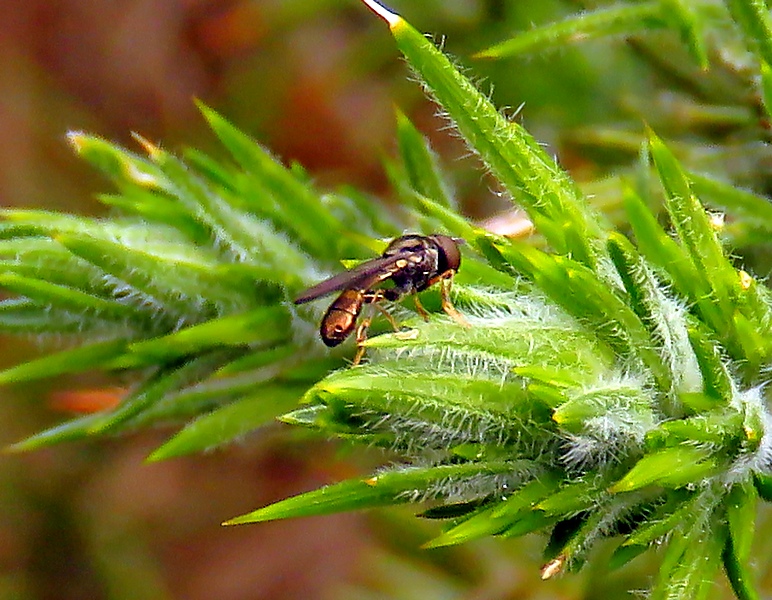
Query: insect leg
point(389, 317)
point(375, 297)
point(361, 337)
point(446, 281)
point(420, 308)
point(372, 297)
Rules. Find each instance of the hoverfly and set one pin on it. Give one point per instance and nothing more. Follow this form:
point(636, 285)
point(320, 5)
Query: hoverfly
point(412, 262)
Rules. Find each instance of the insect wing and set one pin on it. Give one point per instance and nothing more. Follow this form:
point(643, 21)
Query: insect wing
point(362, 276)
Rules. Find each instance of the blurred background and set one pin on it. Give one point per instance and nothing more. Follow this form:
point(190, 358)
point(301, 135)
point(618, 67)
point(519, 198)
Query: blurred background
point(317, 83)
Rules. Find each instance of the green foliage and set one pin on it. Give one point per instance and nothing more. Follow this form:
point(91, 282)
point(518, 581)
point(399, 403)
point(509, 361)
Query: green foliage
point(605, 389)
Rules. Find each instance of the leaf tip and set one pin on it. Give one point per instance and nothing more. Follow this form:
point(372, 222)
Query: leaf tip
point(391, 18)
point(651, 136)
point(16, 448)
point(487, 54)
point(241, 520)
point(77, 139)
point(438, 542)
point(209, 114)
point(153, 151)
point(156, 455)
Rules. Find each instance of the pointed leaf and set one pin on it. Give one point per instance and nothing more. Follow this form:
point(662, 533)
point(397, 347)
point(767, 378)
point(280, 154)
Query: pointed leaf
point(421, 163)
point(572, 498)
point(67, 297)
point(449, 410)
point(84, 358)
point(741, 516)
point(657, 246)
point(264, 325)
point(766, 87)
point(664, 319)
point(715, 374)
point(736, 201)
point(159, 279)
point(756, 25)
point(46, 259)
point(229, 422)
point(117, 163)
point(301, 210)
point(23, 316)
point(664, 521)
point(498, 517)
point(697, 234)
point(552, 201)
point(587, 297)
point(454, 223)
point(159, 386)
point(550, 341)
point(385, 489)
point(70, 431)
point(614, 20)
point(235, 228)
point(682, 14)
point(691, 561)
point(672, 467)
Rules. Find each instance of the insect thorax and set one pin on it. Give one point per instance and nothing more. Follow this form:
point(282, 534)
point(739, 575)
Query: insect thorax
point(419, 269)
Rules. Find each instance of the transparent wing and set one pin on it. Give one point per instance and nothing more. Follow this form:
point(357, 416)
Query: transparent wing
point(366, 275)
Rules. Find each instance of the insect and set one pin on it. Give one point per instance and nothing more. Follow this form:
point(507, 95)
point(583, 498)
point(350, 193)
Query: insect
point(412, 262)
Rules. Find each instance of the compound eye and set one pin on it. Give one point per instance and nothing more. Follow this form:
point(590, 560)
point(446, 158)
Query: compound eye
point(450, 255)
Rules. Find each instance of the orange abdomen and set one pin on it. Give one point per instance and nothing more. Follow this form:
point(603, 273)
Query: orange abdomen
point(341, 318)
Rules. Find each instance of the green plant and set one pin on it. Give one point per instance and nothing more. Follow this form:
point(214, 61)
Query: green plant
point(605, 389)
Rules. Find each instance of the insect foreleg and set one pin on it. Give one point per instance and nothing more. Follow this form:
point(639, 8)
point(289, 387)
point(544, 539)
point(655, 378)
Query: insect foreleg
point(446, 281)
point(420, 308)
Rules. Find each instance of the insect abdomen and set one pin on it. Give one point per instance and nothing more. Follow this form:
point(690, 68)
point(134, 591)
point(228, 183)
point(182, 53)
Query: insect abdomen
point(341, 318)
